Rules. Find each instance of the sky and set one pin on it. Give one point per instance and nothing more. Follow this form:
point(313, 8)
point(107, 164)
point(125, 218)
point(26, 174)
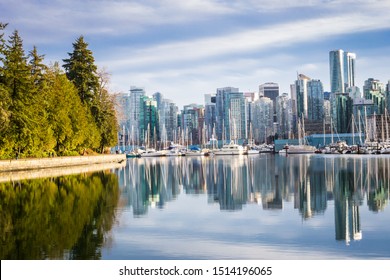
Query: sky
point(187, 48)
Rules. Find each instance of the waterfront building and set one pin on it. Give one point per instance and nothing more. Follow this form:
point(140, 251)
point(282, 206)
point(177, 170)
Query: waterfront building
point(270, 90)
point(294, 111)
point(122, 108)
point(315, 100)
point(283, 115)
point(149, 122)
point(374, 90)
point(168, 121)
point(250, 107)
point(210, 115)
point(301, 96)
point(327, 111)
point(251, 96)
point(354, 92)
point(342, 70)
point(192, 124)
point(342, 109)
point(230, 114)
point(159, 99)
point(263, 119)
point(136, 95)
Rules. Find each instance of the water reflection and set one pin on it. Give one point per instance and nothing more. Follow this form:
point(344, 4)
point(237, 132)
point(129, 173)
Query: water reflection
point(65, 217)
point(310, 182)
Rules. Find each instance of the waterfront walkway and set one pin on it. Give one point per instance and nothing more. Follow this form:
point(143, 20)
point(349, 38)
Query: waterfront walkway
point(41, 163)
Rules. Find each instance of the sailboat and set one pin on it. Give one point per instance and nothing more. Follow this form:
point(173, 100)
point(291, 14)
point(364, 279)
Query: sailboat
point(151, 152)
point(301, 148)
point(251, 148)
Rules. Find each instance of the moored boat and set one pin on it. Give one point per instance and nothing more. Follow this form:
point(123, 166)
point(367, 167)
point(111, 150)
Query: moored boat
point(230, 149)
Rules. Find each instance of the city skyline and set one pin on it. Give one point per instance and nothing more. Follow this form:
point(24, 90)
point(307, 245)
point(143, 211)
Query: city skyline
point(191, 48)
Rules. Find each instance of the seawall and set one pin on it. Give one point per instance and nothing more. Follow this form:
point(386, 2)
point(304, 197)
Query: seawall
point(42, 163)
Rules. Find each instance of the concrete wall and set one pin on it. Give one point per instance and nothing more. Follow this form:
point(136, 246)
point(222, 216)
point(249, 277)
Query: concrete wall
point(38, 163)
point(57, 171)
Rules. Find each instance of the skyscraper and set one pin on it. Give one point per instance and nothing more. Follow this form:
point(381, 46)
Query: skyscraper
point(301, 96)
point(283, 112)
point(262, 124)
point(375, 90)
point(136, 94)
point(342, 70)
point(209, 116)
point(270, 90)
point(315, 100)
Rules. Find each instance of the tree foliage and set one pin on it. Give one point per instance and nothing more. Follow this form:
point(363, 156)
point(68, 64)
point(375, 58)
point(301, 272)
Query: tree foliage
point(45, 109)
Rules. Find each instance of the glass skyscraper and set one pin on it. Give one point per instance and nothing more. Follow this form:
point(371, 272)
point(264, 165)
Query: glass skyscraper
point(342, 70)
point(315, 102)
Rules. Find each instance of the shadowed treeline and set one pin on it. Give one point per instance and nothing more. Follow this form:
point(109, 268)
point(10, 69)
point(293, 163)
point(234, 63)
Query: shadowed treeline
point(57, 218)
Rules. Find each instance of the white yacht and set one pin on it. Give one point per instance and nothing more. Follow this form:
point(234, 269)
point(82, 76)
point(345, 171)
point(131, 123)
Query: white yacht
point(154, 153)
point(297, 149)
point(230, 149)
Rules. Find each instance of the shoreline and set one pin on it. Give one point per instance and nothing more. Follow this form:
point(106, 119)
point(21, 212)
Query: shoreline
point(56, 162)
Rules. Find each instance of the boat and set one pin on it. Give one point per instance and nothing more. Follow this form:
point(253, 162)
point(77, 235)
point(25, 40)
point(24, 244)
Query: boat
point(154, 153)
point(174, 150)
point(132, 154)
point(297, 149)
point(135, 153)
point(301, 148)
point(230, 149)
point(251, 150)
point(194, 151)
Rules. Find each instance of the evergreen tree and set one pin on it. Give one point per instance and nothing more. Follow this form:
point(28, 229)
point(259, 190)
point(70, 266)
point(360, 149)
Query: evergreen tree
point(17, 84)
point(70, 121)
point(37, 67)
point(39, 100)
point(81, 70)
point(91, 87)
point(104, 109)
point(5, 100)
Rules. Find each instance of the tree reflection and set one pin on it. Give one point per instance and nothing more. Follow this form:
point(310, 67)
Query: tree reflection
point(57, 218)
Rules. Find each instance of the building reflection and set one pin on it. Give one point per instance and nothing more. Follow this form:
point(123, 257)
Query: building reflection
point(308, 182)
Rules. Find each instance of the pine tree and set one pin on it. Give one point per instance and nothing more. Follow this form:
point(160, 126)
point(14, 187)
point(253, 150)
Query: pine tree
point(91, 86)
point(80, 68)
point(17, 82)
point(104, 109)
point(5, 102)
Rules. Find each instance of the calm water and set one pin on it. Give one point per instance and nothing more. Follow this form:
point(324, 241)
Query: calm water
point(256, 207)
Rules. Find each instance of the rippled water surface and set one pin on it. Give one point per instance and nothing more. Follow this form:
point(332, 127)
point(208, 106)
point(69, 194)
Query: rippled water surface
point(244, 207)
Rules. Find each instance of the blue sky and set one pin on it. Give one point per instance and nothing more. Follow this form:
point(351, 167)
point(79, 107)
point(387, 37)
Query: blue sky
point(185, 49)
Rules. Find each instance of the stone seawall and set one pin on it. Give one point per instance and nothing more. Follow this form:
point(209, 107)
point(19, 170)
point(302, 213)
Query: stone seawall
point(40, 163)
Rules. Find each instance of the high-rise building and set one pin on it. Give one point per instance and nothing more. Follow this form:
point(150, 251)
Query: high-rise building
point(136, 95)
point(168, 120)
point(149, 123)
point(270, 90)
point(209, 116)
point(301, 96)
point(238, 120)
point(388, 96)
point(374, 90)
point(283, 113)
point(315, 100)
point(342, 110)
point(262, 123)
point(192, 124)
point(342, 70)
point(122, 108)
point(230, 114)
